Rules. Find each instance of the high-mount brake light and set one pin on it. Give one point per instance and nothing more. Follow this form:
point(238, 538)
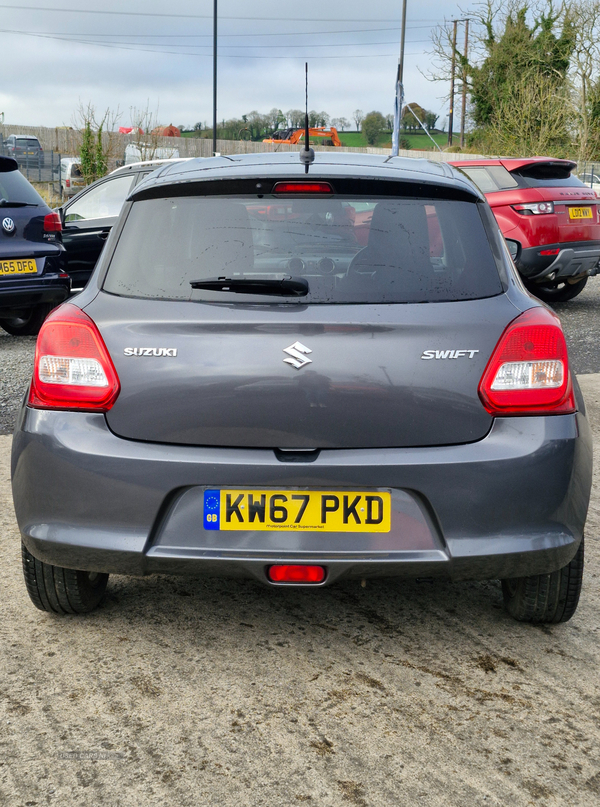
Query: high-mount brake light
point(528, 372)
point(52, 223)
point(284, 573)
point(302, 187)
point(73, 369)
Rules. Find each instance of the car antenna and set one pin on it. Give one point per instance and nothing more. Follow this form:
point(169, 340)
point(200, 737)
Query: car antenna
point(307, 155)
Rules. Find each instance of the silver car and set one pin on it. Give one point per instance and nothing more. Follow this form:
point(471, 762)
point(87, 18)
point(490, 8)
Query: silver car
point(300, 378)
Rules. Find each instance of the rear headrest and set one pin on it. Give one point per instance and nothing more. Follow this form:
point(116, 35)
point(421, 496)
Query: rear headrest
point(399, 233)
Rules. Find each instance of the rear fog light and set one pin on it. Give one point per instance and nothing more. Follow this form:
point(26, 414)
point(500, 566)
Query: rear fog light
point(549, 251)
point(296, 574)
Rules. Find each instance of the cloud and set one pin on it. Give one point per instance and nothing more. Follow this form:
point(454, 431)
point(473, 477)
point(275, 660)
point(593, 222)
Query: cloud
point(58, 74)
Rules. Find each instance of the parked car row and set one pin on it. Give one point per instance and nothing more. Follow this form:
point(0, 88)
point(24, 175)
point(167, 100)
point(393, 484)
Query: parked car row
point(549, 218)
point(44, 254)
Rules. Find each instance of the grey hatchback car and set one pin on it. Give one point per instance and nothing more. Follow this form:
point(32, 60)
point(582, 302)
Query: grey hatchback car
point(301, 378)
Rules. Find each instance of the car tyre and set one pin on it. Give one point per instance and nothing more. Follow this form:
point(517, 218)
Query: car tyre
point(59, 590)
point(559, 292)
point(549, 598)
point(30, 323)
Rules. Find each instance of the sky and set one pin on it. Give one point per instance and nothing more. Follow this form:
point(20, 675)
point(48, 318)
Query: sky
point(55, 54)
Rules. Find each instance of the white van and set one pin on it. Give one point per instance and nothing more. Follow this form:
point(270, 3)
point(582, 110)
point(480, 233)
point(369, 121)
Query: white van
point(142, 152)
point(71, 176)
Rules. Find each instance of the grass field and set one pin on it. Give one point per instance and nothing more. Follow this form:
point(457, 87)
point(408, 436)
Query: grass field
point(357, 140)
point(417, 141)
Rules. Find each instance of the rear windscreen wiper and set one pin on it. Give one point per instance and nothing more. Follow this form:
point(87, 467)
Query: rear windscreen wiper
point(6, 203)
point(284, 287)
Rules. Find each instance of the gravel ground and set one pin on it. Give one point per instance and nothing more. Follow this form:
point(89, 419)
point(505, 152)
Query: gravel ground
point(16, 363)
point(191, 692)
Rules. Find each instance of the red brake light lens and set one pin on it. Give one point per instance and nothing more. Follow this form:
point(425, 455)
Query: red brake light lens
point(528, 372)
point(73, 369)
point(296, 574)
point(302, 187)
point(52, 223)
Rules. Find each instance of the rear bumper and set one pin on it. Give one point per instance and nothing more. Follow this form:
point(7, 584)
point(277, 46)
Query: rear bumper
point(509, 505)
point(575, 259)
point(16, 294)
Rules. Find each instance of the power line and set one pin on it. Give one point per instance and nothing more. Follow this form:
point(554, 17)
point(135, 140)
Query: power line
point(195, 16)
point(70, 38)
point(196, 55)
point(227, 36)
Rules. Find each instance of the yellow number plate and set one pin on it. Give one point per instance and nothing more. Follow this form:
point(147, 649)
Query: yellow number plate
point(297, 510)
point(24, 267)
point(580, 212)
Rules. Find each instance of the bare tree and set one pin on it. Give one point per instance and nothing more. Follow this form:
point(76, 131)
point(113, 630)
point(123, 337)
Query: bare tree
point(585, 75)
point(144, 137)
point(295, 118)
point(98, 143)
point(358, 117)
point(533, 118)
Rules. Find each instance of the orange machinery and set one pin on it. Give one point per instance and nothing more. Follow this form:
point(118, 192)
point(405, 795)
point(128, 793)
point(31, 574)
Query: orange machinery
point(293, 136)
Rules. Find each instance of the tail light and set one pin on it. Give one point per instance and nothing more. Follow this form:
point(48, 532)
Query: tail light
point(73, 369)
point(52, 223)
point(67, 183)
point(528, 372)
point(534, 209)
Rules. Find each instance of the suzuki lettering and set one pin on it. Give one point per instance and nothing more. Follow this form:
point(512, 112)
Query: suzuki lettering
point(150, 351)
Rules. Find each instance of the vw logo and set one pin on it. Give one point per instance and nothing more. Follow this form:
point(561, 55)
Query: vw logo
point(297, 353)
point(8, 225)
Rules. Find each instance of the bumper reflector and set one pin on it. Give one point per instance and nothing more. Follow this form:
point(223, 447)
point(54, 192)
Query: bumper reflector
point(296, 574)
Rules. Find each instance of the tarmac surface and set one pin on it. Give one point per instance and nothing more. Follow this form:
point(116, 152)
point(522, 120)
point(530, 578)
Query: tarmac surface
point(212, 692)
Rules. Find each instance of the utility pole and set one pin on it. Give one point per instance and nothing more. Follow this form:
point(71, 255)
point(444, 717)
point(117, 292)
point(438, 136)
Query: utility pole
point(402, 41)
point(451, 112)
point(215, 77)
point(399, 88)
point(464, 86)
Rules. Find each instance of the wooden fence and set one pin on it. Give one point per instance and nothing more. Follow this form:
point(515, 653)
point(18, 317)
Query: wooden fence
point(67, 142)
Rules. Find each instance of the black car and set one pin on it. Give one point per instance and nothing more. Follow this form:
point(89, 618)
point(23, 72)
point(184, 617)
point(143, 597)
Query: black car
point(25, 149)
point(88, 218)
point(33, 279)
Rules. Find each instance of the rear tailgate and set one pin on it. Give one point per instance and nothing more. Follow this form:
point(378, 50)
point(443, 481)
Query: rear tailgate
point(378, 376)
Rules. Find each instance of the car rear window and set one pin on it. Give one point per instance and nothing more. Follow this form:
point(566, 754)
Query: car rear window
point(490, 178)
point(547, 175)
point(349, 250)
point(15, 188)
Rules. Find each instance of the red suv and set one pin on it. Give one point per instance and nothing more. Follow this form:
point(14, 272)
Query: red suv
point(549, 218)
